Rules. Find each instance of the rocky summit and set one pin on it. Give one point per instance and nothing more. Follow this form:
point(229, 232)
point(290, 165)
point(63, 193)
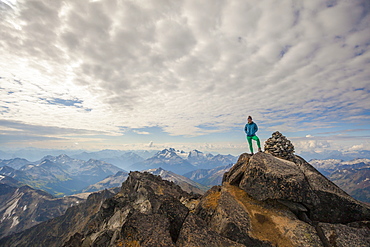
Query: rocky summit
point(304, 207)
point(264, 200)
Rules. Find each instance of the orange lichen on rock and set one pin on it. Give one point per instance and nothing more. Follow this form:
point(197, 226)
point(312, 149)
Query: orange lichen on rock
point(264, 222)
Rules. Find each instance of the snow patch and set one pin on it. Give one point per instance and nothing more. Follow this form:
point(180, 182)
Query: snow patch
point(15, 221)
point(10, 209)
point(2, 177)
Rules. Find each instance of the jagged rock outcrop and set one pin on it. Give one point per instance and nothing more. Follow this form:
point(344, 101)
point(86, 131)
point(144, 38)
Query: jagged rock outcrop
point(317, 203)
point(263, 201)
point(265, 177)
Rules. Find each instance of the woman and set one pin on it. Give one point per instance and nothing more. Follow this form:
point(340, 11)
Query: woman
point(251, 129)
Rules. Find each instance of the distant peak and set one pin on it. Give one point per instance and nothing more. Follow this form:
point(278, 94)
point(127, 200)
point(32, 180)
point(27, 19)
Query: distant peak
point(64, 157)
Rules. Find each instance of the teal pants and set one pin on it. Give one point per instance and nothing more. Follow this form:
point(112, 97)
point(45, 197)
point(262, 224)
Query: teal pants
point(250, 138)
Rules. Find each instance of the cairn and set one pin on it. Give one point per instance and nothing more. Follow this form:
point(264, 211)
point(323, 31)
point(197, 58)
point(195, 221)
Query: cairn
point(279, 146)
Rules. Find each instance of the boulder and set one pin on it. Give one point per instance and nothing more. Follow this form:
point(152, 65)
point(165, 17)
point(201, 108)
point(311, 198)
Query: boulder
point(235, 215)
point(270, 178)
point(235, 174)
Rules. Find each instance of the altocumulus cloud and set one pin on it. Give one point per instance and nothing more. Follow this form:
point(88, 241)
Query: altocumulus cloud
point(181, 65)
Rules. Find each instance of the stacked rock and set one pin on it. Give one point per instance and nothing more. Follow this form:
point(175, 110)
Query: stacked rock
point(279, 146)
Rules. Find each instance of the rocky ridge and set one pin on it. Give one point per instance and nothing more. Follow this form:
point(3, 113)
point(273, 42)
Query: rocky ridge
point(264, 200)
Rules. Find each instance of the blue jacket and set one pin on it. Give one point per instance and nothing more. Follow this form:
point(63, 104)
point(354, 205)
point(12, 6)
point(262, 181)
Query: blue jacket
point(251, 129)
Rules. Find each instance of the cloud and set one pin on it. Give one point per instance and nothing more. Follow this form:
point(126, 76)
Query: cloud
point(358, 147)
point(20, 129)
point(141, 132)
point(311, 145)
point(101, 65)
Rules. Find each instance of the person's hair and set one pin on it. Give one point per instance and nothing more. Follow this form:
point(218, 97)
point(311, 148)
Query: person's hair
point(249, 117)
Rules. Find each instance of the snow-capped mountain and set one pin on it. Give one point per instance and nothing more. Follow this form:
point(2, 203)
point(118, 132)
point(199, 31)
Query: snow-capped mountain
point(181, 162)
point(168, 159)
point(209, 161)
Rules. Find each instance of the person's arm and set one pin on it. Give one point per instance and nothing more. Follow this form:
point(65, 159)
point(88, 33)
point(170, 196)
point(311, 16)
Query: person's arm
point(255, 128)
point(246, 129)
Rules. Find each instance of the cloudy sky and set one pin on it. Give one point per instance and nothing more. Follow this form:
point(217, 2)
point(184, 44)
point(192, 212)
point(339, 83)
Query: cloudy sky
point(130, 74)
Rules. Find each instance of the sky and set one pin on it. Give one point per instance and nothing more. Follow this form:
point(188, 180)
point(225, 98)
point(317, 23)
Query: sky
point(125, 74)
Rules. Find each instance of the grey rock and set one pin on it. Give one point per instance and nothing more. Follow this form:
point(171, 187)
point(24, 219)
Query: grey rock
point(344, 235)
point(233, 214)
point(268, 177)
point(195, 232)
point(235, 174)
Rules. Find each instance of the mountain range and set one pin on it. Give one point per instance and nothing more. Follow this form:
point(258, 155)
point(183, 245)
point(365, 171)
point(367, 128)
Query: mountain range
point(58, 175)
point(63, 175)
point(335, 154)
point(263, 201)
point(122, 159)
point(34, 154)
point(181, 162)
point(352, 176)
